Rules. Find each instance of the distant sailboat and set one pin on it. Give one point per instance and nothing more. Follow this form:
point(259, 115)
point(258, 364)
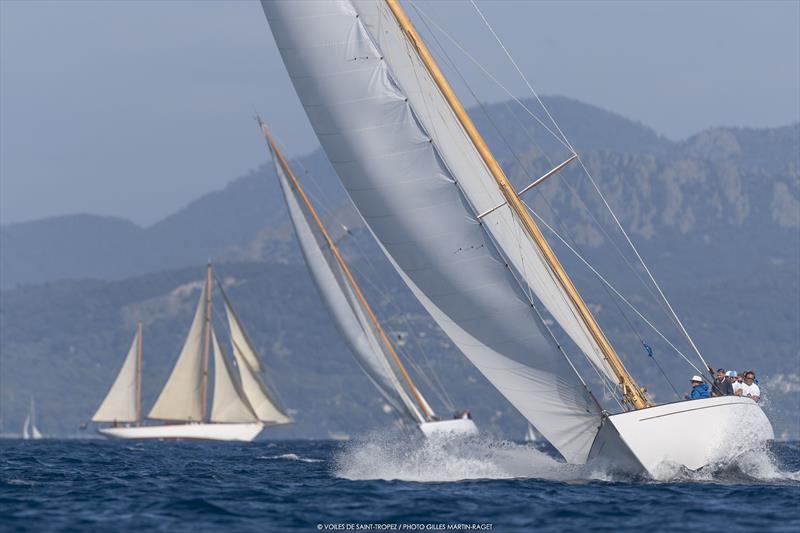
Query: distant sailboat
point(29, 429)
point(530, 435)
point(352, 313)
point(240, 409)
point(439, 203)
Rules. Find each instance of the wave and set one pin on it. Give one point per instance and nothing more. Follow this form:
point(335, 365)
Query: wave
point(291, 457)
point(399, 456)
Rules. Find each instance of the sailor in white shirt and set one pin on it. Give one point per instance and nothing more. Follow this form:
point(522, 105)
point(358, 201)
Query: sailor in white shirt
point(735, 383)
point(749, 388)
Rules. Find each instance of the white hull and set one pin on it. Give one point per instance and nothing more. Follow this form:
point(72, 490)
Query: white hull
point(456, 426)
point(692, 434)
point(226, 432)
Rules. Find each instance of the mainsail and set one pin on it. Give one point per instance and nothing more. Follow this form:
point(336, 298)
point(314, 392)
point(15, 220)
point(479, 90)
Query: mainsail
point(420, 183)
point(121, 403)
point(349, 312)
point(229, 404)
point(265, 407)
point(183, 397)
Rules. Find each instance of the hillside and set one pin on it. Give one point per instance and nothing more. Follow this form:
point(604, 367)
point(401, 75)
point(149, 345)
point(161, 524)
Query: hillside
point(716, 216)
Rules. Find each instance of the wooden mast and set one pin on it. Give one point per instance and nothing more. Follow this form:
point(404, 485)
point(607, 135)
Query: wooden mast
point(631, 392)
point(206, 342)
point(350, 280)
point(139, 373)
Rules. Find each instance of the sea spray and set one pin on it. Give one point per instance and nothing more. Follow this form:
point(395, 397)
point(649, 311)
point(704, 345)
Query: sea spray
point(400, 456)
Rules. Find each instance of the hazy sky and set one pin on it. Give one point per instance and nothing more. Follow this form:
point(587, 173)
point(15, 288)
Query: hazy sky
point(134, 108)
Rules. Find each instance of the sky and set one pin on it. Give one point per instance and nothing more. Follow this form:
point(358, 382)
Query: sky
point(134, 108)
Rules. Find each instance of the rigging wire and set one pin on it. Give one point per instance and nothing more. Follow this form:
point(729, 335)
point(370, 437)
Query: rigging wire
point(438, 387)
point(594, 184)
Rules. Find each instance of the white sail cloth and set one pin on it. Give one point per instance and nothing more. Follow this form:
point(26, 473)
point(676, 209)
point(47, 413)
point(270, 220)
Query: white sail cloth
point(120, 403)
point(229, 404)
point(418, 182)
point(260, 400)
point(344, 306)
point(182, 396)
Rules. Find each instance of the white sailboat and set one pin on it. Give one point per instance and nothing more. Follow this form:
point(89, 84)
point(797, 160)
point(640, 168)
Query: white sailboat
point(431, 191)
point(352, 313)
point(240, 409)
point(29, 429)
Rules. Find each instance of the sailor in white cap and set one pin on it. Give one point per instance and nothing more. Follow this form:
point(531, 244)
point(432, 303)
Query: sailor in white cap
point(699, 389)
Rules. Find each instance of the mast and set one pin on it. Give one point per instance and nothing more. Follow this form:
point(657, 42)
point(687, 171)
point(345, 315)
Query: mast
point(631, 392)
point(206, 343)
point(348, 275)
point(139, 372)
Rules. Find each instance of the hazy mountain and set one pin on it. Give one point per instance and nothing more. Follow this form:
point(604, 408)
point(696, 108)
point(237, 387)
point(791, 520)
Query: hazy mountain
point(717, 217)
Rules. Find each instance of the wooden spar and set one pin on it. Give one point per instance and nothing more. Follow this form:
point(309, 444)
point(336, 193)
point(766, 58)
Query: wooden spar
point(139, 373)
point(350, 280)
point(631, 392)
point(206, 342)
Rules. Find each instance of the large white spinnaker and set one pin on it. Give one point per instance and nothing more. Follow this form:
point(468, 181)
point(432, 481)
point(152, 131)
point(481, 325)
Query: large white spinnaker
point(121, 403)
point(229, 404)
point(183, 395)
point(344, 306)
point(419, 183)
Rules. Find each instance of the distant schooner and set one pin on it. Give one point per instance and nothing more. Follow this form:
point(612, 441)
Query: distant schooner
point(241, 407)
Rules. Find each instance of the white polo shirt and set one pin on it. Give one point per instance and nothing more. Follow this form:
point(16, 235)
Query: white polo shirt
point(736, 386)
point(750, 390)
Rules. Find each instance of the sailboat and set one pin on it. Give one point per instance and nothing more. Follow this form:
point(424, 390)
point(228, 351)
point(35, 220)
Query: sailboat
point(241, 406)
point(29, 429)
point(457, 232)
point(530, 435)
point(352, 313)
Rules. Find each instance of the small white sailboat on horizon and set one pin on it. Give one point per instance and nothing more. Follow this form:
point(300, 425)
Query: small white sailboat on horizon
point(241, 406)
point(29, 429)
point(355, 319)
point(456, 230)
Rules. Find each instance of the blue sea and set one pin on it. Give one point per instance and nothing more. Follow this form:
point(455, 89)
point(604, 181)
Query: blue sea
point(377, 483)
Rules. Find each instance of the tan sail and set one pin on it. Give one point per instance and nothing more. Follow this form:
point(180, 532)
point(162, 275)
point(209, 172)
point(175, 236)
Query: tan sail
point(121, 403)
point(229, 404)
point(182, 397)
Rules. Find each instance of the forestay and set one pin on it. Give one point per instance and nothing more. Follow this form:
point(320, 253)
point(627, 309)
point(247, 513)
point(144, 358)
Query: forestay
point(229, 404)
point(120, 403)
point(182, 396)
point(343, 305)
point(418, 182)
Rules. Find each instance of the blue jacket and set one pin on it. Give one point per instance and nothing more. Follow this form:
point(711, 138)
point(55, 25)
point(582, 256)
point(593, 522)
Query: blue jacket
point(701, 391)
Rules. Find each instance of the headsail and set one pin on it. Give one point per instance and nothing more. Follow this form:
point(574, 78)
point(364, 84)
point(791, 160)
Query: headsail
point(419, 183)
point(241, 343)
point(183, 396)
point(261, 401)
point(349, 312)
point(229, 404)
point(121, 403)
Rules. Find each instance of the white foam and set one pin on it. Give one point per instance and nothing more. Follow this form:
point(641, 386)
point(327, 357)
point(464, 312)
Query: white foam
point(399, 456)
point(396, 456)
point(291, 457)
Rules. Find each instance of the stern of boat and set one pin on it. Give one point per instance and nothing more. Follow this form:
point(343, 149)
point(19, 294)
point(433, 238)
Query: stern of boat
point(456, 427)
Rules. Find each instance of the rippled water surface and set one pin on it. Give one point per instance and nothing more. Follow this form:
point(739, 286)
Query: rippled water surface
point(389, 479)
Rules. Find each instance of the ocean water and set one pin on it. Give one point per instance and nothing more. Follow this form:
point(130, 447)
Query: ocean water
point(380, 483)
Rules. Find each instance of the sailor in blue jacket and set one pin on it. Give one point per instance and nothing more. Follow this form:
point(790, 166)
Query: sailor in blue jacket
point(699, 389)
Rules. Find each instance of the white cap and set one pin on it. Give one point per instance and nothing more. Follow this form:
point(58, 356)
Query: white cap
point(697, 378)
point(731, 373)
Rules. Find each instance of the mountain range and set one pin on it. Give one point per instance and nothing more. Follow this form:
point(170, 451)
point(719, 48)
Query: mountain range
point(716, 217)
